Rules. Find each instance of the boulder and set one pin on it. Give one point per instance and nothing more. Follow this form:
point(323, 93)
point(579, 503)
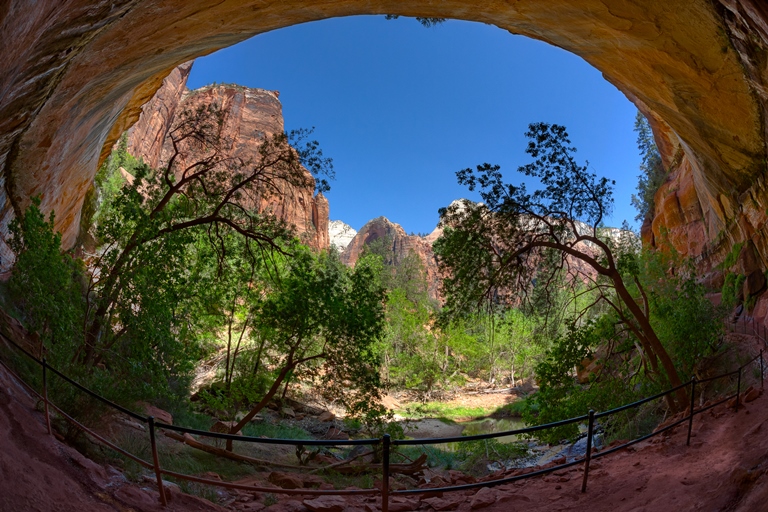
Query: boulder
point(448, 503)
point(159, 414)
point(326, 504)
point(326, 416)
point(294, 480)
point(224, 427)
point(252, 506)
point(287, 506)
point(336, 434)
point(402, 505)
point(485, 497)
point(286, 480)
point(751, 394)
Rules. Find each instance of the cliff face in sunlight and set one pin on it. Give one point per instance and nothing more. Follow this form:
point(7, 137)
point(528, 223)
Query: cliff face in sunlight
point(249, 114)
point(400, 245)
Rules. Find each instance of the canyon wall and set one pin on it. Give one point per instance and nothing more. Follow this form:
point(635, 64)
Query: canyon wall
point(687, 214)
point(75, 74)
point(400, 245)
point(147, 137)
point(249, 115)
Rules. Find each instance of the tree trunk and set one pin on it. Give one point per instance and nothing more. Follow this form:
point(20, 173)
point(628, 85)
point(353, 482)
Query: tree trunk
point(262, 403)
point(653, 340)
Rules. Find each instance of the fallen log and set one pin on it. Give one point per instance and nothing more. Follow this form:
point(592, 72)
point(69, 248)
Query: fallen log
point(341, 463)
point(411, 468)
point(190, 441)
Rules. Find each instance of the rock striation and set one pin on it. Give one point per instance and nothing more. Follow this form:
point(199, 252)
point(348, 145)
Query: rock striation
point(249, 115)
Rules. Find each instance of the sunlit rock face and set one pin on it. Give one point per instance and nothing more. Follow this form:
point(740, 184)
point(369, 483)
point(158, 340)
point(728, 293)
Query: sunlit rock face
point(399, 246)
point(75, 73)
point(147, 137)
point(340, 234)
point(249, 115)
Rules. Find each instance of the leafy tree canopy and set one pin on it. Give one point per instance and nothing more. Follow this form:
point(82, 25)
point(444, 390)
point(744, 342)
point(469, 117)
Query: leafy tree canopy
point(495, 251)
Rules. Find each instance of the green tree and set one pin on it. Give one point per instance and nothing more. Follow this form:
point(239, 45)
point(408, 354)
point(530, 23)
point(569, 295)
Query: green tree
point(46, 285)
point(492, 251)
point(324, 321)
point(230, 276)
point(203, 190)
point(652, 172)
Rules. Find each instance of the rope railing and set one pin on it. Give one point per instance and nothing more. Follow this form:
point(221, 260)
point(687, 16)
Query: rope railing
point(385, 441)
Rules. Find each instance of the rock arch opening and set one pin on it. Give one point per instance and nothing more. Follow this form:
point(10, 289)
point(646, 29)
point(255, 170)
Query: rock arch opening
point(76, 77)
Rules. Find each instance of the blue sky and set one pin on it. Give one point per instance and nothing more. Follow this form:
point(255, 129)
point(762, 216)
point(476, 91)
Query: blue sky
point(400, 108)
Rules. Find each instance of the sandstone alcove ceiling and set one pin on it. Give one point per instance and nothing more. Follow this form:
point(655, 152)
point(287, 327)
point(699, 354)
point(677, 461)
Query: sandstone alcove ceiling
point(75, 74)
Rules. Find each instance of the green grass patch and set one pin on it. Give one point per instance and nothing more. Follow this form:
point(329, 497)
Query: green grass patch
point(444, 412)
point(275, 430)
point(452, 413)
point(511, 410)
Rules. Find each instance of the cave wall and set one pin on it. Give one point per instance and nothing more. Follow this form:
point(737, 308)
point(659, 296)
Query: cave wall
point(687, 215)
point(75, 74)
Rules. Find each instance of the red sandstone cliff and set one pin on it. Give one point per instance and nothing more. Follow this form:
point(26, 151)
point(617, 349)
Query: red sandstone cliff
point(402, 245)
point(250, 114)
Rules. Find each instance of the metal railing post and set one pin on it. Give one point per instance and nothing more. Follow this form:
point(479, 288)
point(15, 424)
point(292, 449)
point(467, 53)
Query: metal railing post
point(590, 432)
point(738, 390)
point(385, 441)
point(690, 419)
point(45, 396)
point(155, 461)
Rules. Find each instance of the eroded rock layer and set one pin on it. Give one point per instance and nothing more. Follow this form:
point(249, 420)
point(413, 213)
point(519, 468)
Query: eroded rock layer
point(249, 115)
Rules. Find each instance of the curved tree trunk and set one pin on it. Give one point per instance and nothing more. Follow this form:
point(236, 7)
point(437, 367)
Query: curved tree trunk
point(653, 340)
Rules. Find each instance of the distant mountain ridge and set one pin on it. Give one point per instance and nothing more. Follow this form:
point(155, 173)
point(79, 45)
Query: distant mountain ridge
point(340, 234)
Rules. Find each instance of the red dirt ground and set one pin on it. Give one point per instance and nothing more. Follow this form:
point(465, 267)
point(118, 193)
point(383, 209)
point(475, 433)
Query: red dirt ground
point(724, 469)
point(38, 473)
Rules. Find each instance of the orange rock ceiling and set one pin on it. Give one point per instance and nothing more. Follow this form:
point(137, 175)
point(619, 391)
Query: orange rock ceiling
point(75, 73)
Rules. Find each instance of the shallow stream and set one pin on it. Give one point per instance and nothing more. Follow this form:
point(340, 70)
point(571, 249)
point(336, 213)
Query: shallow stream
point(540, 454)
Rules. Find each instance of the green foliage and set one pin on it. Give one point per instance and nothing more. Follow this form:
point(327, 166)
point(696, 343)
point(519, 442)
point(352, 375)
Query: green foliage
point(46, 285)
point(559, 395)
point(686, 323)
point(425, 22)
point(494, 250)
point(497, 253)
point(731, 292)
point(685, 320)
point(171, 235)
point(733, 256)
point(445, 412)
point(652, 174)
point(107, 184)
